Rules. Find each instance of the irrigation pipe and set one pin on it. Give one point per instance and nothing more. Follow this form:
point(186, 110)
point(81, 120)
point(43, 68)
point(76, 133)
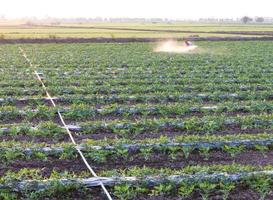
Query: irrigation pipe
point(213, 145)
point(148, 180)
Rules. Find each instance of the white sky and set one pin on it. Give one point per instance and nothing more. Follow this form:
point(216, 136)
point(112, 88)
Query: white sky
point(176, 9)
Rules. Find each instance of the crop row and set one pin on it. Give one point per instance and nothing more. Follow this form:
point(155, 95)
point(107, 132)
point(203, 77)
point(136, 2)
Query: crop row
point(141, 55)
point(83, 111)
point(153, 70)
point(240, 79)
point(13, 150)
point(168, 72)
point(134, 86)
point(142, 98)
point(183, 92)
point(148, 180)
point(194, 77)
point(182, 67)
point(131, 90)
point(21, 91)
point(202, 125)
point(70, 69)
point(207, 124)
point(138, 80)
point(139, 181)
point(164, 79)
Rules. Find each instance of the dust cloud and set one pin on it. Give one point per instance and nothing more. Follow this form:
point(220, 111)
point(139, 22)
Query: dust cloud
point(172, 46)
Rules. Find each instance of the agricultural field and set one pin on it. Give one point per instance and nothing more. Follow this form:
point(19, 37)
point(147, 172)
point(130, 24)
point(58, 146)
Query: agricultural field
point(132, 30)
point(151, 125)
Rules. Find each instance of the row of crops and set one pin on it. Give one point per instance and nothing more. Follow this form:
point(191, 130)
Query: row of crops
point(152, 126)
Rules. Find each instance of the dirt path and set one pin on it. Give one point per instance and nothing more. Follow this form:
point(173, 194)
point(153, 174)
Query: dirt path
point(126, 40)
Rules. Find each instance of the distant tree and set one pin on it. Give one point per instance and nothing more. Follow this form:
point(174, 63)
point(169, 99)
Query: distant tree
point(246, 19)
point(259, 19)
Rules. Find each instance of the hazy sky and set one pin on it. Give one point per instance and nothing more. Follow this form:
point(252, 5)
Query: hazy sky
point(178, 9)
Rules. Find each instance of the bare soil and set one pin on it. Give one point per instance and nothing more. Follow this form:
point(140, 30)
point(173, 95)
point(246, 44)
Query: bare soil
point(102, 135)
point(126, 40)
point(169, 133)
point(156, 160)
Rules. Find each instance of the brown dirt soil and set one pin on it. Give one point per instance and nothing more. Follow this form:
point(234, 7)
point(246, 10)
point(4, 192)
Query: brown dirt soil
point(79, 138)
point(156, 160)
point(125, 40)
point(169, 133)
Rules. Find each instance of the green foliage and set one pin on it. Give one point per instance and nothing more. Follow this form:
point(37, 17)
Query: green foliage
point(187, 151)
point(124, 91)
point(205, 151)
point(121, 152)
point(11, 155)
point(124, 192)
point(146, 153)
point(261, 185)
point(234, 150)
point(58, 190)
point(42, 112)
point(7, 195)
point(50, 129)
point(162, 189)
point(40, 155)
point(69, 152)
point(226, 187)
point(206, 188)
point(263, 149)
point(98, 155)
point(185, 189)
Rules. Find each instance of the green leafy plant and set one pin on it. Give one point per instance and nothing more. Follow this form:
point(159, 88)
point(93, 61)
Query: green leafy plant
point(226, 187)
point(162, 189)
point(40, 155)
point(124, 192)
point(7, 195)
point(185, 189)
point(205, 151)
point(173, 152)
point(263, 149)
point(98, 155)
point(233, 150)
point(11, 154)
point(187, 150)
point(146, 152)
point(69, 152)
point(206, 188)
point(121, 152)
point(261, 184)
